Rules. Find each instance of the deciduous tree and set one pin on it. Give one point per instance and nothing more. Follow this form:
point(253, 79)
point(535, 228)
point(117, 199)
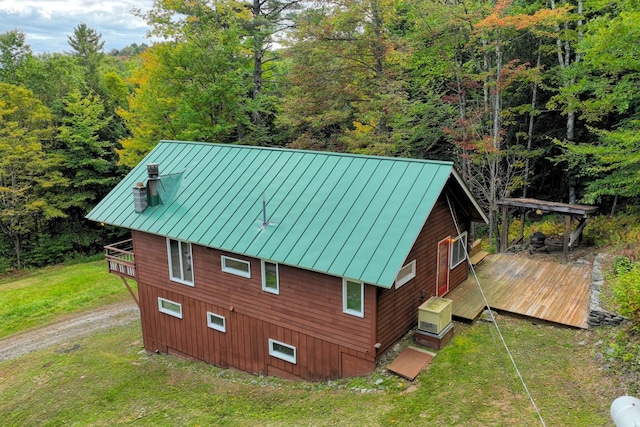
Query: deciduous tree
point(27, 173)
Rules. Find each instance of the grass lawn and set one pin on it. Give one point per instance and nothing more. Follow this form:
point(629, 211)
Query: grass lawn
point(42, 296)
point(105, 379)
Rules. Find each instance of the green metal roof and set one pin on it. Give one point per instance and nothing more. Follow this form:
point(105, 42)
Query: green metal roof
point(342, 214)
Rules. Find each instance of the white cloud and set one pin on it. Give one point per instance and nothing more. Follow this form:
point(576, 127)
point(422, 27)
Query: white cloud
point(48, 23)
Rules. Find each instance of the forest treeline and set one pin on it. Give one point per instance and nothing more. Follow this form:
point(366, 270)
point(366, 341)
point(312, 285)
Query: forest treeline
point(528, 98)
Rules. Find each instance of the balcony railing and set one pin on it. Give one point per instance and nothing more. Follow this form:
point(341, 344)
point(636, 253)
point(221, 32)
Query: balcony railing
point(121, 259)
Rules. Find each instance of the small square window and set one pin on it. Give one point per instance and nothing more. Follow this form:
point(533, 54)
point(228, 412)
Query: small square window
point(458, 250)
point(217, 322)
point(170, 307)
point(282, 351)
point(235, 266)
point(270, 279)
point(406, 273)
point(353, 297)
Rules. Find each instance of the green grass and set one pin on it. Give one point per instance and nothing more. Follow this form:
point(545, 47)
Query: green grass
point(105, 380)
point(41, 296)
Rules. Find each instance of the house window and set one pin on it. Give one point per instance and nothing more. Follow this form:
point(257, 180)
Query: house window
point(169, 307)
point(353, 297)
point(180, 267)
point(406, 273)
point(458, 250)
point(236, 266)
point(217, 322)
point(282, 351)
point(270, 280)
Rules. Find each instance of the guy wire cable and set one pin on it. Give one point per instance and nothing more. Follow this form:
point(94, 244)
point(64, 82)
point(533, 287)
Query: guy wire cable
point(493, 319)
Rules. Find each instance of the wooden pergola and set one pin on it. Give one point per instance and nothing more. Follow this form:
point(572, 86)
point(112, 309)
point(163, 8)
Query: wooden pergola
point(509, 206)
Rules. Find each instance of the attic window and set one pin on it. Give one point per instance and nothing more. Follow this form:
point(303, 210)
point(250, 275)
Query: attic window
point(180, 267)
point(235, 266)
point(406, 273)
point(458, 250)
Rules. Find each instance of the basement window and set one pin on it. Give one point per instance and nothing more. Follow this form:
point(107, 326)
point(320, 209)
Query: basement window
point(180, 267)
point(217, 322)
point(406, 273)
point(282, 351)
point(270, 279)
point(170, 307)
point(235, 266)
point(353, 297)
point(458, 250)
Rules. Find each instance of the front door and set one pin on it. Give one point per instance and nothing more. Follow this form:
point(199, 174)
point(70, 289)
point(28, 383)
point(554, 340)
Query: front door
point(443, 267)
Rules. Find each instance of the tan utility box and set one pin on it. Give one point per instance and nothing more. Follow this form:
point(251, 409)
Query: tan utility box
point(434, 315)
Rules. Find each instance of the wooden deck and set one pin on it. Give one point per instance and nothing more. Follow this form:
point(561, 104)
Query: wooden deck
point(549, 291)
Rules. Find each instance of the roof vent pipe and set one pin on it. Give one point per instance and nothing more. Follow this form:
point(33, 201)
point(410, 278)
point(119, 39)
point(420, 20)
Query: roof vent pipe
point(139, 197)
point(153, 183)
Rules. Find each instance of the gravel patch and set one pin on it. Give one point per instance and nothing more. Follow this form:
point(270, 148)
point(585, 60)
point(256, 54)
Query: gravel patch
point(66, 330)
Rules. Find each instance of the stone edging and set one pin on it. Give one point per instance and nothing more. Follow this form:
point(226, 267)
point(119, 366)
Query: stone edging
point(597, 315)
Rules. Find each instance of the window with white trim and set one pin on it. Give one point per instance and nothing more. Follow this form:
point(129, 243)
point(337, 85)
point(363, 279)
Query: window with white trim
point(169, 307)
point(353, 297)
point(270, 279)
point(458, 250)
point(235, 266)
point(406, 273)
point(180, 265)
point(217, 322)
point(282, 351)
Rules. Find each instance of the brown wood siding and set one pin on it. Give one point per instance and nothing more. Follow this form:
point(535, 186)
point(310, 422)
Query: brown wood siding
point(397, 310)
point(244, 345)
point(306, 314)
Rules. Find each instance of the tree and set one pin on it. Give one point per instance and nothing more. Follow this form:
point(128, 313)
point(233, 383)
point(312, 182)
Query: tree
point(609, 78)
point(613, 164)
point(86, 44)
point(87, 47)
point(86, 159)
point(194, 87)
point(51, 77)
point(268, 18)
point(14, 51)
point(346, 81)
point(27, 173)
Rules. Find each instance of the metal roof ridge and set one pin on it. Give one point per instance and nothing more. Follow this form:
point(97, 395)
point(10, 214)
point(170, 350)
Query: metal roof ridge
point(298, 150)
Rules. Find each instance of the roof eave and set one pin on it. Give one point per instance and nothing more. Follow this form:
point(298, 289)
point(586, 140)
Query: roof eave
point(467, 192)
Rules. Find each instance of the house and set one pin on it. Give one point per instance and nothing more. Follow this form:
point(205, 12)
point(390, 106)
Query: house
point(286, 262)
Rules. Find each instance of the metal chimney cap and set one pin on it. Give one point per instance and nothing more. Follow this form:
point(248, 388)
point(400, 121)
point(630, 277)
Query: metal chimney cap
point(153, 169)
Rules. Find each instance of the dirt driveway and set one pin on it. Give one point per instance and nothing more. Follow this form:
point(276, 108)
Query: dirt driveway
point(66, 330)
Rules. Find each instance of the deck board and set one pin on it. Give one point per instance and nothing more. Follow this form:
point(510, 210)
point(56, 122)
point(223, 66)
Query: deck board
point(549, 291)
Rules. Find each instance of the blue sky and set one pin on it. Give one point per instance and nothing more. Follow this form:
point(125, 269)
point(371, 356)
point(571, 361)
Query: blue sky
point(47, 23)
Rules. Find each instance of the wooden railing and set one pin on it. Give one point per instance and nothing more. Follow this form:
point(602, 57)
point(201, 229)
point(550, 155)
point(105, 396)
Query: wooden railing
point(121, 259)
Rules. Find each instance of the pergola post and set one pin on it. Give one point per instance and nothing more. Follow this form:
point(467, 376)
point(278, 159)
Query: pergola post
point(567, 235)
point(504, 237)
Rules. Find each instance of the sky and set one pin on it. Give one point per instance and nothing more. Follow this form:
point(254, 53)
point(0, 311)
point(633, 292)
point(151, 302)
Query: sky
point(47, 23)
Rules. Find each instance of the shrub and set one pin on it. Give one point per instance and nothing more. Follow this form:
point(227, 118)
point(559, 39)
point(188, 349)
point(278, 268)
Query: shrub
point(625, 287)
point(550, 225)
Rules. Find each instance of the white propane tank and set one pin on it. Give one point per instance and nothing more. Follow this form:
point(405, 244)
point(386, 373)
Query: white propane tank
point(625, 411)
